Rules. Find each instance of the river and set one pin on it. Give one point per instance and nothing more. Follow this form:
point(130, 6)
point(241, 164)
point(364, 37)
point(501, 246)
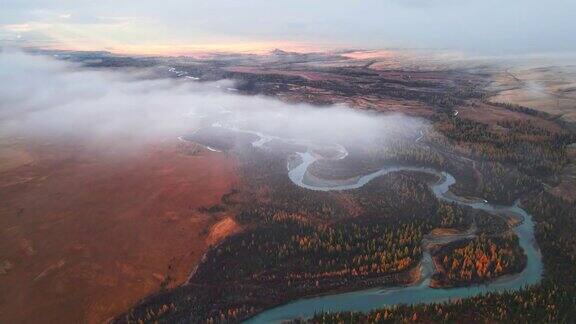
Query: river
point(420, 292)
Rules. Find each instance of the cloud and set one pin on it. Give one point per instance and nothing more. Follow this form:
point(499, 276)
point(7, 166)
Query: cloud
point(17, 28)
point(487, 27)
point(45, 98)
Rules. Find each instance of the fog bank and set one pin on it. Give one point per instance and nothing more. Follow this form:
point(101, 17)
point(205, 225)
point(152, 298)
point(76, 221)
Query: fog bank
point(43, 97)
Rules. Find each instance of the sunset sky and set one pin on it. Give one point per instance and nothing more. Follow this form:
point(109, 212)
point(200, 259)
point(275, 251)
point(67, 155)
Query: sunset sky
point(180, 27)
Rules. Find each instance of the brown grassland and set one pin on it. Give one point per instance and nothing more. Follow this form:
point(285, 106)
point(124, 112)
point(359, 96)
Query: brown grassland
point(87, 232)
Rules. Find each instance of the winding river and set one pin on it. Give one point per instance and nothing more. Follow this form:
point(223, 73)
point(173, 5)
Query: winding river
point(420, 292)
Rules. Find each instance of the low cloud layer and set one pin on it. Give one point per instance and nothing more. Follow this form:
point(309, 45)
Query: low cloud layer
point(43, 97)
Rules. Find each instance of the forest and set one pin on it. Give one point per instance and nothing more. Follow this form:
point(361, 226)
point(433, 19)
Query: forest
point(478, 260)
point(550, 301)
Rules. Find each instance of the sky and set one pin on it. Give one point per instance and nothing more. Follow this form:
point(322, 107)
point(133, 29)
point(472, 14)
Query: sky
point(178, 27)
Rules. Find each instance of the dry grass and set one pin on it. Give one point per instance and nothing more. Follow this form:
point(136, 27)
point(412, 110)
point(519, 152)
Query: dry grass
point(221, 230)
point(85, 233)
point(548, 89)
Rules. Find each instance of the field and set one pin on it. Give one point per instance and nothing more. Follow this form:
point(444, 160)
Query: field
point(551, 89)
point(88, 231)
